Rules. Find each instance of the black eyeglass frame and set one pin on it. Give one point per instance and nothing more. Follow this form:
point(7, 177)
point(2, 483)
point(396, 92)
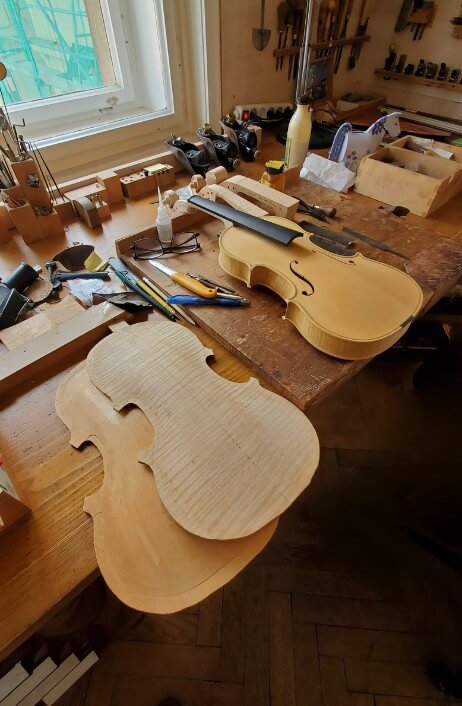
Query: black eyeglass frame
point(151, 253)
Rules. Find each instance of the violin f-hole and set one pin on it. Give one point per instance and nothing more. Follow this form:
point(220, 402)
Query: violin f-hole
point(302, 277)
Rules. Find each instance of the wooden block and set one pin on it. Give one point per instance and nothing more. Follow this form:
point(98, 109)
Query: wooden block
point(209, 625)
point(166, 177)
point(40, 353)
point(273, 201)
point(53, 314)
point(87, 212)
point(379, 615)
point(103, 210)
point(51, 224)
point(26, 223)
point(89, 190)
point(389, 678)
point(282, 680)
point(65, 211)
point(7, 227)
point(306, 665)
point(110, 180)
point(36, 196)
point(135, 185)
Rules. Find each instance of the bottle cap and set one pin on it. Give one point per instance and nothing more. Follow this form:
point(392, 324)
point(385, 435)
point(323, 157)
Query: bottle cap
point(274, 166)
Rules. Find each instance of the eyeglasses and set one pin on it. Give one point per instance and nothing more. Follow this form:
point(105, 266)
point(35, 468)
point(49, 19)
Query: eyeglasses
point(150, 248)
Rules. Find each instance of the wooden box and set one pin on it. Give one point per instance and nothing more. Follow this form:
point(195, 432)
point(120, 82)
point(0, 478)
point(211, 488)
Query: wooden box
point(12, 507)
point(423, 191)
point(405, 141)
point(26, 223)
point(51, 224)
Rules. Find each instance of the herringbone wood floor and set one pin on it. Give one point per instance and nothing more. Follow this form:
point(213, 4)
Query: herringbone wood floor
point(343, 608)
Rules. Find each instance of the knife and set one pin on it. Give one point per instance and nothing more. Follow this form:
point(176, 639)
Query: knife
point(186, 281)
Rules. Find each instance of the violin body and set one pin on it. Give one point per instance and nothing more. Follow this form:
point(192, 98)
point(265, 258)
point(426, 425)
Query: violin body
point(228, 458)
point(349, 307)
point(148, 561)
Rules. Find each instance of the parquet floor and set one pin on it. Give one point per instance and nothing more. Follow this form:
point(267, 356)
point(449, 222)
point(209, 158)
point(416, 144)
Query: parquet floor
point(343, 608)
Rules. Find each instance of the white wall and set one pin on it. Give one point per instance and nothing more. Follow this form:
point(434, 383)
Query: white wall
point(248, 75)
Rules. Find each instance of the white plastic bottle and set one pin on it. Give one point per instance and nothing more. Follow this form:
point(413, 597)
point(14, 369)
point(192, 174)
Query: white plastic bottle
point(298, 134)
point(163, 223)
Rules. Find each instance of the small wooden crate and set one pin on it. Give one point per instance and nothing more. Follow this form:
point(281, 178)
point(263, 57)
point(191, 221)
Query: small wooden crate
point(434, 183)
point(12, 508)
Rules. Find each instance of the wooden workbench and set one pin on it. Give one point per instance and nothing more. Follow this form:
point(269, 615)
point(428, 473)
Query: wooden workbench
point(50, 557)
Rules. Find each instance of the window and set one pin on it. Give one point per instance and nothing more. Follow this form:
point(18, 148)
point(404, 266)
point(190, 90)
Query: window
point(95, 62)
point(49, 46)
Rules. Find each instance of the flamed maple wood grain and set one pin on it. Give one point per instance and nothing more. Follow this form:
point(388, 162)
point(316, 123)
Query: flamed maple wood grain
point(348, 307)
point(148, 560)
point(227, 458)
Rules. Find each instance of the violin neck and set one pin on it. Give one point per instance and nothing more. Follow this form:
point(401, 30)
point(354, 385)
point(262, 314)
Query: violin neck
point(274, 231)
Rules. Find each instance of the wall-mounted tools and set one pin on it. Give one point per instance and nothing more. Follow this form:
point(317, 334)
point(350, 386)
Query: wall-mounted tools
point(426, 70)
point(260, 35)
point(360, 32)
point(220, 148)
point(244, 139)
point(422, 16)
point(283, 13)
point(391, 58)
point(194, 160)
point(416, 14)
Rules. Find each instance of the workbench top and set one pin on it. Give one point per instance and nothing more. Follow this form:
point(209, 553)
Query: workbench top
point(50, 557)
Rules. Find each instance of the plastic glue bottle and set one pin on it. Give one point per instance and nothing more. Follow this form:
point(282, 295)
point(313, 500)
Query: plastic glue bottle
point(163, 223)
point(298, 134)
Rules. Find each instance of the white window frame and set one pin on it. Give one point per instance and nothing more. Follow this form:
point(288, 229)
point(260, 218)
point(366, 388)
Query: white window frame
point(88, 112)
point(192, 48)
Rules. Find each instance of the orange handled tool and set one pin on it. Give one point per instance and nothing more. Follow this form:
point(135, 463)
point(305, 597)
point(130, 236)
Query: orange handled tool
point(186, 281)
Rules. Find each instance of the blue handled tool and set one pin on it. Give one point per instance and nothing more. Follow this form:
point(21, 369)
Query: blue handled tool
point(194, 301)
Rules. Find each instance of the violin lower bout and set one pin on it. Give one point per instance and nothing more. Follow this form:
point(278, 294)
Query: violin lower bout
point(296, 297)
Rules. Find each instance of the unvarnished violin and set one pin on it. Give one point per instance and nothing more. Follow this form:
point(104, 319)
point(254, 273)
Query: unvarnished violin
point(347, 306)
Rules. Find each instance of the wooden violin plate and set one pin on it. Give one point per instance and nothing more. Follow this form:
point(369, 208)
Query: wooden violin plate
point(149, 561)
point(349, 307)
point(228, 458)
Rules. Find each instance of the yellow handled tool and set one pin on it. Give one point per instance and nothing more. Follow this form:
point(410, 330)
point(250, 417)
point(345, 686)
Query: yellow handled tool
point(146, 288)
point(186, 281)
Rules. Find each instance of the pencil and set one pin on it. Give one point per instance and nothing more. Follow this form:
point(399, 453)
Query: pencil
point(161, 294)
point(148, 289)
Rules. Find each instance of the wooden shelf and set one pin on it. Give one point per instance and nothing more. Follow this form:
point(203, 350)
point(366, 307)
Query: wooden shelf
point(391, 75)
point(346, 42)
point(316, 46)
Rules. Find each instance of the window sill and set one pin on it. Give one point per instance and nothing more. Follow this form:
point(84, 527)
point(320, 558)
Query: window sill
point(74, 132)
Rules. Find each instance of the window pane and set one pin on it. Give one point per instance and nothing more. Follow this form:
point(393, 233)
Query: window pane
point(53, 48)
